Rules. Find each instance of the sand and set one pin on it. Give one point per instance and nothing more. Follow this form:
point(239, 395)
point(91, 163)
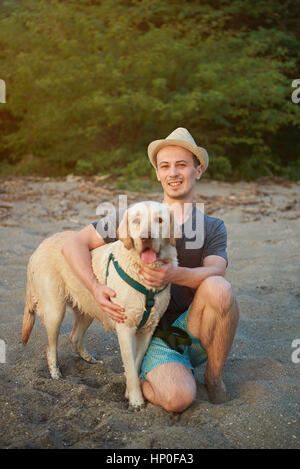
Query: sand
point(87, 408)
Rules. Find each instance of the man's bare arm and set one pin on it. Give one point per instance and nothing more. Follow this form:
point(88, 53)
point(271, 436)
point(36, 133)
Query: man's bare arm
point(186, 276)
point(192, 277)
point(77, 253)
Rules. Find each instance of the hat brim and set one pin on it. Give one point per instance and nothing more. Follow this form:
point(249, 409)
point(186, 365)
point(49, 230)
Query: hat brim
point(199, 152)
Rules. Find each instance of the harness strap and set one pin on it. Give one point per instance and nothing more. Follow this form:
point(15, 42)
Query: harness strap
point(172, 336)
point(150, 294)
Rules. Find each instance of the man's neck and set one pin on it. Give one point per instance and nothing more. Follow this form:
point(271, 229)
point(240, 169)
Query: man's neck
point(182, 208)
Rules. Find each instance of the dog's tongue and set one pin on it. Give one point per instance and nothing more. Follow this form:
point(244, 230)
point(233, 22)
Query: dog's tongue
point(148, 256)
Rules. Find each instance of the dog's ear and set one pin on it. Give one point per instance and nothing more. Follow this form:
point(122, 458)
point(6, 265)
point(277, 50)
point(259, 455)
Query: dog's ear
point(122, 232)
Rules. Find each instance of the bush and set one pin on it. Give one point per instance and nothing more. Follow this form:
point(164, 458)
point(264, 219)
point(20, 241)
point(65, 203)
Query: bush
point(90, 84)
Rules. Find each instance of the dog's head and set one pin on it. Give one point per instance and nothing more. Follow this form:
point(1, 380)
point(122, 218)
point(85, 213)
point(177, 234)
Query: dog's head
point(149, 228)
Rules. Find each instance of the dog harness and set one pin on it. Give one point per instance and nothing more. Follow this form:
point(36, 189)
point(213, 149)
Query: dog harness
point(150, 294)
point(172, 336)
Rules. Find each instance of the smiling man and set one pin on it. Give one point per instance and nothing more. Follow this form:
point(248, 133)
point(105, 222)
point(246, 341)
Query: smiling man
point(202, 302)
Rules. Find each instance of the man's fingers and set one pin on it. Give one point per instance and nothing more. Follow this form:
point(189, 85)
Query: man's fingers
point(109, 291)
point(113, 306)
point(144, 269)
point(150, 282)
point(115, 316)
point(114, 311)
point(154, 280)
point(152, 271)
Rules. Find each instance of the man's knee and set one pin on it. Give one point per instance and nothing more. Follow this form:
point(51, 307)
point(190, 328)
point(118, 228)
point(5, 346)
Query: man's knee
point(178, 401)
point(217, 291)
point(171, 385)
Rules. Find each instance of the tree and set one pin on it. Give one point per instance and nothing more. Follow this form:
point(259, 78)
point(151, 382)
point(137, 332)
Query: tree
point(91, 83)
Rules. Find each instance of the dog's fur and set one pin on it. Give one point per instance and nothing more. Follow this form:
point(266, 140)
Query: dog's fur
point(51, 284)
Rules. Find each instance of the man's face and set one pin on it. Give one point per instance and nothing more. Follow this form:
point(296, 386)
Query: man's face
point(176, 171)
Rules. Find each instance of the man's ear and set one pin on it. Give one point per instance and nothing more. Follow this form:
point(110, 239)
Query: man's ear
point(122, 232)
point(157, 176)
point(200, 170)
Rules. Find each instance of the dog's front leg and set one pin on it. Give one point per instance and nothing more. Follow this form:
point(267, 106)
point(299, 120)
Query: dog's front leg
point(142, 341)
point(126, 336)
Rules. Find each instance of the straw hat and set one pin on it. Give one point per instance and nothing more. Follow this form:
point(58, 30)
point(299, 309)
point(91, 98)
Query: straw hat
point(180, 137)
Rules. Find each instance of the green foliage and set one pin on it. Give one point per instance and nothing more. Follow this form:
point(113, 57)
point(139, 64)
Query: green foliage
point(91, 83)
point(219, 167)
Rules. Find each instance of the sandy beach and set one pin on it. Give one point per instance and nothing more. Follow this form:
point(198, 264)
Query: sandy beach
point(87, 408)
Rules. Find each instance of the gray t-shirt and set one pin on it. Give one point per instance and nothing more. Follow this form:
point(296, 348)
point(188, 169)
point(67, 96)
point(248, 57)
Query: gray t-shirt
point(202, 236)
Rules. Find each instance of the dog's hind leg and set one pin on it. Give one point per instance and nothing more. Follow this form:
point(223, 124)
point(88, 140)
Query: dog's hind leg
point(82, 322)
point(53, 313)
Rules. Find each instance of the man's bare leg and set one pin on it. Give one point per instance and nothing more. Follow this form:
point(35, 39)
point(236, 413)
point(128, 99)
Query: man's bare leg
point(213, 318)
point(171, 386)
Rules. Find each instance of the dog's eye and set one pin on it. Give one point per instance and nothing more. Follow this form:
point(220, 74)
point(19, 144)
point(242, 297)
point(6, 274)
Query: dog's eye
point(136, 221)
point(159, 220)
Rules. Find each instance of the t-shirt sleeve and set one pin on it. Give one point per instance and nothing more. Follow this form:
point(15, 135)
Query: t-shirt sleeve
point(216, 240)
point(107, 226)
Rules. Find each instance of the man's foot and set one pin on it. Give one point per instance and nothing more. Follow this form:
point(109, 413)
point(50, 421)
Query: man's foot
point(216, 391)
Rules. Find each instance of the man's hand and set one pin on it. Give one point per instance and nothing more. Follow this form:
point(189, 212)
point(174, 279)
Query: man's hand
point(159, 276)
point(185, 276)
point(103, 295)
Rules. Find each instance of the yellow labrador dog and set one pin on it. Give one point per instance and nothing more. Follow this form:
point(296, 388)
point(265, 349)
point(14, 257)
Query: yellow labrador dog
point(145, 234)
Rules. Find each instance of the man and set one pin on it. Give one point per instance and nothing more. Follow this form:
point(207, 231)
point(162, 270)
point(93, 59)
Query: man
point(202, 302)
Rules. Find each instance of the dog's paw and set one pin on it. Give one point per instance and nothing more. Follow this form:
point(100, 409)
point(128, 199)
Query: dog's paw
point(136, 400)
point(90, 358)
point(55, 373)
point(86, 356)
point(135, 408)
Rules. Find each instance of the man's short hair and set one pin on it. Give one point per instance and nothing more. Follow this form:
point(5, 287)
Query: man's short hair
point(196, 161)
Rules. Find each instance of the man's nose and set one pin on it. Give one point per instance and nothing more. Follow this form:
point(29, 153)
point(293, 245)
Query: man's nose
point(173, 171)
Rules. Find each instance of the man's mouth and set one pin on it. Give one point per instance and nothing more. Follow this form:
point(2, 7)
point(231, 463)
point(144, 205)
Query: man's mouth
point(148, 256)
point(176, 183)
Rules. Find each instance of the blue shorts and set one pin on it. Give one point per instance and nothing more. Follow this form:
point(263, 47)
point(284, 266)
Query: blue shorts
point(159, 352)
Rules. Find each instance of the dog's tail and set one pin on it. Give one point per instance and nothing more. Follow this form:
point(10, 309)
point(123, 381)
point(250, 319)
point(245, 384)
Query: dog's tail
point(29, 310)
